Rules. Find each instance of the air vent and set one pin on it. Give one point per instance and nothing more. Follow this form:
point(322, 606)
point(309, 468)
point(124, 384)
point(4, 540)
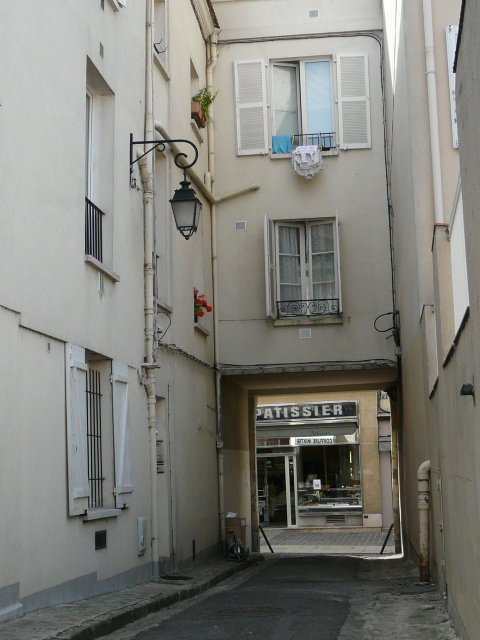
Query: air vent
point(313, 13)
point(305, 333)
point(240, 225)
point(335, 519)
point(100, 540)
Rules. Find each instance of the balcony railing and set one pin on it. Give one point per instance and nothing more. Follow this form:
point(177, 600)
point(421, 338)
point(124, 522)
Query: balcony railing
point(295, 308)
point(325, 141)
point(93, 230)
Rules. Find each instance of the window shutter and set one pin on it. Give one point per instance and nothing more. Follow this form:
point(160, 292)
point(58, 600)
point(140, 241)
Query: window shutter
point(123, 483)
point(337, 264)
point(251, 107)
point(452, 34)
point(76, 401)
point(269, 243)
point(353, 101)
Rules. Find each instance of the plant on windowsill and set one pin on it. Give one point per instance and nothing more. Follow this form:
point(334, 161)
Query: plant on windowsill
point(200, 108)
point(200, 304)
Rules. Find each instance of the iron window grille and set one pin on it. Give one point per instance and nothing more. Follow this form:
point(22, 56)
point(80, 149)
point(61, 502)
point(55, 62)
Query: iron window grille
point(324, 141)
point(93, 230)
point(295, 308)
point(94, 439)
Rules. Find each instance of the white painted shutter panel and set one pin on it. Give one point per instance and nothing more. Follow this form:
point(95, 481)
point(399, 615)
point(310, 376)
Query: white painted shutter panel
point(452, 34)
point(337, 259)
point(353, 101)
point(251, 107)
point(76, 400)
point(270, 280)
point(123, 482)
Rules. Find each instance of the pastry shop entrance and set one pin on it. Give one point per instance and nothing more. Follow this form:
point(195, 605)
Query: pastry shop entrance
point(276, 497)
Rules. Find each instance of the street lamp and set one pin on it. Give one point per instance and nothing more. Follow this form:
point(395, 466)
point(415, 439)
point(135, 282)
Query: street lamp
point(186, 206)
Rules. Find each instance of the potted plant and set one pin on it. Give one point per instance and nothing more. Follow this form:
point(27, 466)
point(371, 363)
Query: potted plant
point(201, 103)
point(200, 304)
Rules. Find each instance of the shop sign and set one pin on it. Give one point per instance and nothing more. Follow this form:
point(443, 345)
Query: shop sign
point(304, 412)
point(319, 440)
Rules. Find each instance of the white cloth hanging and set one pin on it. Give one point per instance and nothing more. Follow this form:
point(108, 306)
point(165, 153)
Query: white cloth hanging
point(307, 160)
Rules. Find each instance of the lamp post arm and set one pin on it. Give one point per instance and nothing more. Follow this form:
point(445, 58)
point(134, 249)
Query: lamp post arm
point(161, 146)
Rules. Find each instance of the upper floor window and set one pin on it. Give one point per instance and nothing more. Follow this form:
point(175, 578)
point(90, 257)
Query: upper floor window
point(302, 268)
point(303, 96)
point(302, 102)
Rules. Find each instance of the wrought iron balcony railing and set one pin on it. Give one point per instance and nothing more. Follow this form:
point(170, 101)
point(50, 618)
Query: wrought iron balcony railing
point(295, 308)
point(325, 141)
point(93, 230)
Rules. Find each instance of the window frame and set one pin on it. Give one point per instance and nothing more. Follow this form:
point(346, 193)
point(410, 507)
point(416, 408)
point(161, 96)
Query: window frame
point(272, 265)
point(300, 66)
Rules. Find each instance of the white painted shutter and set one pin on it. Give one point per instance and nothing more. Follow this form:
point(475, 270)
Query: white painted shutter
point(123, 482)
point(251, 107)
point(353, 101)
point(269, 244)
point(122, 3)
point(452, 34)
point(337, 259)
point(76, 401)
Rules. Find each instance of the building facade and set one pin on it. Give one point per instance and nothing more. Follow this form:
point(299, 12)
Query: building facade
point(108, 389)
point(305, 293)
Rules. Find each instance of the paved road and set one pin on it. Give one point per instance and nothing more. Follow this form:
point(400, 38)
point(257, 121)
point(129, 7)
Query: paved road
point(293, 598)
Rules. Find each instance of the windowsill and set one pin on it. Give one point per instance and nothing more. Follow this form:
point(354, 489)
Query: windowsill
point(161, 66)
point(283, 156)
point(456, 340)
point(295, 322)
point(163, 306)
point(196, 130)
point(200, 329)
point(98, 514)
point(99, 266)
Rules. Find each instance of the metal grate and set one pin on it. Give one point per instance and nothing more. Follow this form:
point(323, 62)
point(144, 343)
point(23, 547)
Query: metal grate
point(335, 519)
point(93, 230)
point(326, 307)
point(94, 439)
point(325, 141)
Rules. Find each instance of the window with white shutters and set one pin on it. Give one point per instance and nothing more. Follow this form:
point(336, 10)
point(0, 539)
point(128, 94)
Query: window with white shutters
point(452, 34)
point(99, 464)
point(458, 254)
point(353, 101)
point(302, 268)
point(251, 107)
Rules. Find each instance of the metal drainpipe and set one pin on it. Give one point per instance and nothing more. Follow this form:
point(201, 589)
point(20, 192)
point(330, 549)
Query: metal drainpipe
point(433, 111)
point(210, 180)
point(423, 478)
point(149, 270)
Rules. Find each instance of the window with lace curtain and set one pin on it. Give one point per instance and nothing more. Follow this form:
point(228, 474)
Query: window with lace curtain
point(303, 277)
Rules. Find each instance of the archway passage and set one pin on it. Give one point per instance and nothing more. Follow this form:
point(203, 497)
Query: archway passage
point(313, 453)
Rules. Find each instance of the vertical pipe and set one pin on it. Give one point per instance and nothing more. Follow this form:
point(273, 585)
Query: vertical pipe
point(423, 478)
point(212, 61)
point(147, 179)
point(432, 111)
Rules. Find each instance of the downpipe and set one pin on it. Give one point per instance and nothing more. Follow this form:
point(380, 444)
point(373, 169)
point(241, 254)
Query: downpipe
point(423, 478)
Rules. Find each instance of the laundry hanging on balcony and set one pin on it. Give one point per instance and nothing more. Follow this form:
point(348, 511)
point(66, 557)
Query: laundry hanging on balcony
point(307, 160)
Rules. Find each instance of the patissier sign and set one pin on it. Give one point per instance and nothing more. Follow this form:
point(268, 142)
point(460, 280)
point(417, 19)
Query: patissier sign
point(302, 412)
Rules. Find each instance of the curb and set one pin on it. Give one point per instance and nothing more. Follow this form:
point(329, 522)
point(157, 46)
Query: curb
point(112, 621)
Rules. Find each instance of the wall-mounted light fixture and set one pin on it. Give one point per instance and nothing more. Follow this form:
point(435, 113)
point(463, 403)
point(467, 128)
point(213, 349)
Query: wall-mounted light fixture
point(186, 206)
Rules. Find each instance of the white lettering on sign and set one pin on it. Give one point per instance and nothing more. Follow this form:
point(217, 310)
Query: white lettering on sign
point(307, 411)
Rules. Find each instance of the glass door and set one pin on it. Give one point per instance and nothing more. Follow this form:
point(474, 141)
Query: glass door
point(276, 495)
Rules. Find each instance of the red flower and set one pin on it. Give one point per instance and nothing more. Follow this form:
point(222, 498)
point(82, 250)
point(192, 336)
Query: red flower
point(200, 313)
point(208, 307)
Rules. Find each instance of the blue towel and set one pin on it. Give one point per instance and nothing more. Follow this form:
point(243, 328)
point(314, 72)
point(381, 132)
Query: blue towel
point(281, 144)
